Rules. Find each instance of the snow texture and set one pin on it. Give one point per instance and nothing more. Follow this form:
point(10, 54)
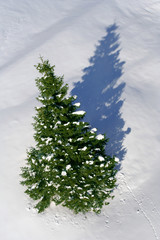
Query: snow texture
point(80, 112)
point(108, 52)
point(100, 137)
point(68, 167)
point(93, 130)
point(101, 158)
point(77, 104)
point(63, 173)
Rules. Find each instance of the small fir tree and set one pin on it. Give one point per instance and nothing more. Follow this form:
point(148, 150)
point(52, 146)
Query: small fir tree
point(68, 165)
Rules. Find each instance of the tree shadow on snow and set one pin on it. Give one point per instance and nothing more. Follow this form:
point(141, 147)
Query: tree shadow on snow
point(100, 92)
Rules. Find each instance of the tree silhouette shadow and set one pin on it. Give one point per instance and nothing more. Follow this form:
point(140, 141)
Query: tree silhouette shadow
point(100, 93)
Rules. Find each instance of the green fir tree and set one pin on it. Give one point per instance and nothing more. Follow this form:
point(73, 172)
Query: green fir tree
point(68, 164)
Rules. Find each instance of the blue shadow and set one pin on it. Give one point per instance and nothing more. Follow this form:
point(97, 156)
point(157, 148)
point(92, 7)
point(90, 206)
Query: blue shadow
point(100, 92)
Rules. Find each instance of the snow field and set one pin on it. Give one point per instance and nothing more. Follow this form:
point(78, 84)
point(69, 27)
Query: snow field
point(67, 33)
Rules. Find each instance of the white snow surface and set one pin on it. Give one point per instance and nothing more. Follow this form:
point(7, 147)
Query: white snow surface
point(68, 167)
point(77, 104)
point(101, 158)
point(99, 136)
point(63, 173)
point(80, 112)
point(94, 130)
point(67, 33)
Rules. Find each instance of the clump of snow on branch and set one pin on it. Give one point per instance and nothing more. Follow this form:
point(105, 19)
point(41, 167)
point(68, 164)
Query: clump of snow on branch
point(80, 112)
point(100, 136)
point(77, 104)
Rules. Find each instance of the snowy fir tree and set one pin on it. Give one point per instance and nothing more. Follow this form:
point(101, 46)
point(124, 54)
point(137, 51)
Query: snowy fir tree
point(68, 164)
